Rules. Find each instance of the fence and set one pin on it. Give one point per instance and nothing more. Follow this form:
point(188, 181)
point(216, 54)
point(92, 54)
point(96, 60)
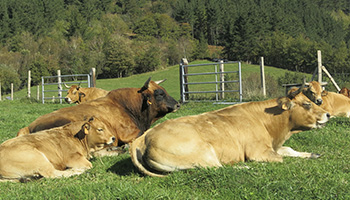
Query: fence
point(57, 80)
point(219, 80)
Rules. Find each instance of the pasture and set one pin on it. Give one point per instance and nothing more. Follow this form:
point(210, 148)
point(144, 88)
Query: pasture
point(116, 178)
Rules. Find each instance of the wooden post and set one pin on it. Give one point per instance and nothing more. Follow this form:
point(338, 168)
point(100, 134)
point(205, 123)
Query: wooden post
point(185, 62)
point(0, 92)
point(11, 91)
point(262, 72)
point(59, 85)
point(38, 92)
point(29, 81)
point(319, 66)
point(331, 78)
point(93, 77)
point(222, 78)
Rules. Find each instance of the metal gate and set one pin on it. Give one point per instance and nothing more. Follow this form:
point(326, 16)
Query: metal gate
point(52, 81)
point(219, 80)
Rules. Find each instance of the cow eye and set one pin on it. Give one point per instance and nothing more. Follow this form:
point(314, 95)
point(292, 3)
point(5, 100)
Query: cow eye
point(99, 129)
point(159, 94)
point(307, 105)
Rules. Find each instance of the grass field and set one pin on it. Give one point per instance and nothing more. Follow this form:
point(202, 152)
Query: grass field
point(116, 178)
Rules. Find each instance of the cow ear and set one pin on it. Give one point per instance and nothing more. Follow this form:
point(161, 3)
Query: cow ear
point(145, 86)
point(86, 128)
point(285, 103)
point(324, 93)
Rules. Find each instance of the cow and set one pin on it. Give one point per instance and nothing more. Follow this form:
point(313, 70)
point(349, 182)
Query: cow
point(59, 152)
point(345, 91)
point(129, 111)
point(334, 103)
point(77, 94)
point(248, 131)
point(314, 92)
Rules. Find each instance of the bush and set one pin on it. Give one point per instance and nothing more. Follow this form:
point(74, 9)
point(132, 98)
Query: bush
point(7, 76)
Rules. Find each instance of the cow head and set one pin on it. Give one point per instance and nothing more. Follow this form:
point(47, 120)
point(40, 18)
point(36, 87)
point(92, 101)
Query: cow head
point(345, 91)
point(314, 92)
point(97, 134)
point(304, 114)
point(156, 99)
point(74, 94)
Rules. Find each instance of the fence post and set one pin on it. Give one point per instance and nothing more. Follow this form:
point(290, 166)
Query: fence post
point(319, 66)
point(0, 92)
point(262, 73)
point(183, 80)
point(93, 77)
point(38, 92)
point(59, 85)
point(222, 79)
point(11, 91)
point(29, 81)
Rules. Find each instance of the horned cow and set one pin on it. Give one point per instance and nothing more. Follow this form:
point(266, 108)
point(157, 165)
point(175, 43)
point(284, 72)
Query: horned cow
point(248, 131)
point(58, 152)
point(129, 111)
point(77, 94)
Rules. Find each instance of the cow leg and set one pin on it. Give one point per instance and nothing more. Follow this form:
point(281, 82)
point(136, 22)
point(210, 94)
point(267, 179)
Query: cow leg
point(287, 151)
point(269, 155)
point(78, 162)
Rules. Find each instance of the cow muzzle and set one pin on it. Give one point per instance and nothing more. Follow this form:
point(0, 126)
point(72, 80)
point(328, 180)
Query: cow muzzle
point(325, 117)
point(68, 100)
point(319, 101)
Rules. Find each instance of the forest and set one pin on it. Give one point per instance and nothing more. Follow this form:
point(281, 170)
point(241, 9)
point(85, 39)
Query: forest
point(124, 37)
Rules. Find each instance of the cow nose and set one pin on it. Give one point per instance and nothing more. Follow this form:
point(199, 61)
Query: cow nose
point(113, 139)
point(319, 101)
point(177, 106)
point(328, 115)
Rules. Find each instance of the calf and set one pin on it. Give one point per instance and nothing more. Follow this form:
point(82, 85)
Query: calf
point(77, 94)
point(58, 152)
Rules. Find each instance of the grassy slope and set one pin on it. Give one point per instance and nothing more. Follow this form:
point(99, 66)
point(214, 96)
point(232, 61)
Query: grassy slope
point(112, 177)
point(172, 85)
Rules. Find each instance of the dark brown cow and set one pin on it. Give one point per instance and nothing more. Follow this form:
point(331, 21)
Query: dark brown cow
point(129, 111)
point(248, 131)
point(58, 152)
point(77, 94)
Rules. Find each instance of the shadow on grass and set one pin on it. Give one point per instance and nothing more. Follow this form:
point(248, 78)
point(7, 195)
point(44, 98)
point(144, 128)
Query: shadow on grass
point(123, 167)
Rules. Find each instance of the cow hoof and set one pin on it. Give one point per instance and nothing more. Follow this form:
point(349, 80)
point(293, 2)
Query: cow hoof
point(315, 155)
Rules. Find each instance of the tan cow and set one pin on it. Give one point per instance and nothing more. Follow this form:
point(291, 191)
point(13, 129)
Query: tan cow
point(314, 92)
point(334, 103)
point(77, 94)
point(57, 152)
point(248, 131)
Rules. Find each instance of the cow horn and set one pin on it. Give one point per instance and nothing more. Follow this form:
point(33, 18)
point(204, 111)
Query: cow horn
point(159, 82)
point(305, 83)
point(65, 85)
point(295, 93)
point(145, 86)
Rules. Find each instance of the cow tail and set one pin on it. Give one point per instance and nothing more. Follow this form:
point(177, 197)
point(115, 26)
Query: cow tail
point(136, 157)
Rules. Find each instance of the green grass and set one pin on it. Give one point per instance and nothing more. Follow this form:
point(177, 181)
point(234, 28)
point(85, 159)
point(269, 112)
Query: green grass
point(115, 177)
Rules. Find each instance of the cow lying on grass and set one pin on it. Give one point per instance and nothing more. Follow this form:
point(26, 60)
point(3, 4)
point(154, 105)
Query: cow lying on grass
point(129, 111)
point(77, 94)
point(248, 131)
point(58, 152)
point(334, 103)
